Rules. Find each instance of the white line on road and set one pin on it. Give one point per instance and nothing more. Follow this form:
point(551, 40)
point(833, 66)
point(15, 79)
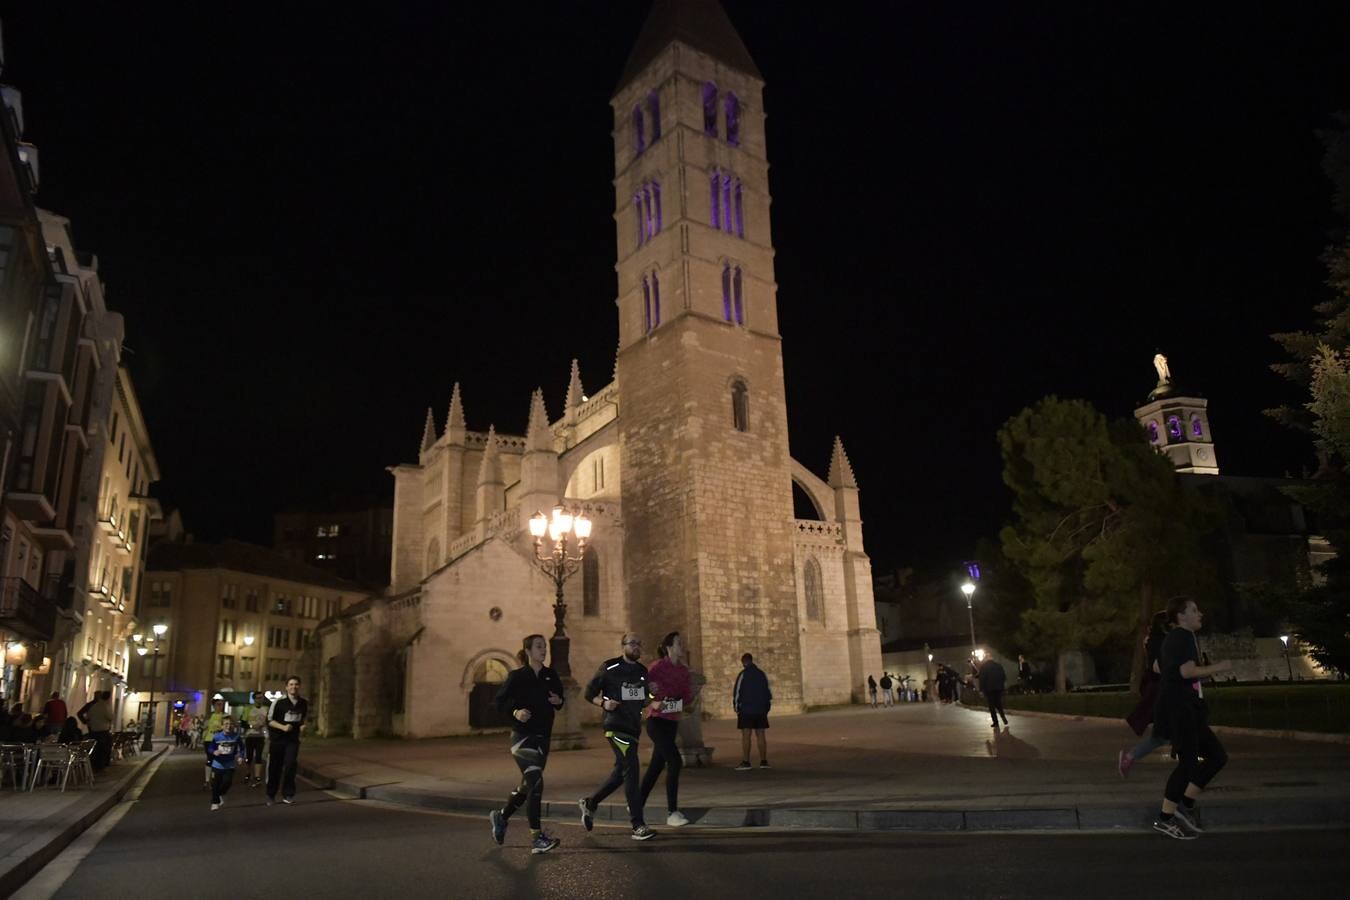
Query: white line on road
point(52, 876)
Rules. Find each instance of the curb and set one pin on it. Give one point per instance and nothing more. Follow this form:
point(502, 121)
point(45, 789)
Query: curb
point(1315, 736)
point(51, 846)
point(1219, 814)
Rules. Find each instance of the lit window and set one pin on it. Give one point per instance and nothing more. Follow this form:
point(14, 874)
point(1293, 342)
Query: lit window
point(715, 199)
point(1197, 429)
point(639, 143)
point(646, 305)
point(1153, 432)
point(710, 109)
point(726, 292)
point(1174, 427)
point(736, 293)
point(733, 110)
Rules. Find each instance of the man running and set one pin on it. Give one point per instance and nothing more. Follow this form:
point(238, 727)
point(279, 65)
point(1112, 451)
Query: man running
point(530, 694)
point(1182, 717)
point(668, 681)
point(222, 748)
point(284, 722)
point(254, 739)
point(620, 689)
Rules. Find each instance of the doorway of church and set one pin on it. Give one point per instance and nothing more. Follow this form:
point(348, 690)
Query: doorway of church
point(487, 680)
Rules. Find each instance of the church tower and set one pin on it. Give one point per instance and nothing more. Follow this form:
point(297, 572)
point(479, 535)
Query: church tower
point(705, 470)
point(1176, 423)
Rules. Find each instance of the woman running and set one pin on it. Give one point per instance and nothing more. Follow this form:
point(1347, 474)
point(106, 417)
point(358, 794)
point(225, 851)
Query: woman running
point(1181, 717)
point(531, 694)
point(1142, 716)
point(668, 685)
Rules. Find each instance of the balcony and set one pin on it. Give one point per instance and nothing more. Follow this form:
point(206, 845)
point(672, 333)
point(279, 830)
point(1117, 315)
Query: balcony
point(53, 538)
point(107, 599)
point(31, 506)
point(25, 611)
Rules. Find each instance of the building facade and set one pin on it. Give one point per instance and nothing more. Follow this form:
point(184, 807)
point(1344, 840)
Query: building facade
point(682, 460)
point(355, 544)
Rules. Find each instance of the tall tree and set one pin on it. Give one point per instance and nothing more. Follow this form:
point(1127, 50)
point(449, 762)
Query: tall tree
point(1102, 530)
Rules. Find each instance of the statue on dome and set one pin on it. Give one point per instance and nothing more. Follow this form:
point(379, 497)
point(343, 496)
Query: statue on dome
point(1164, 373)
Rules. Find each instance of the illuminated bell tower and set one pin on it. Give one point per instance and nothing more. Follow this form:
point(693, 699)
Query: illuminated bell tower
point(1176, 422)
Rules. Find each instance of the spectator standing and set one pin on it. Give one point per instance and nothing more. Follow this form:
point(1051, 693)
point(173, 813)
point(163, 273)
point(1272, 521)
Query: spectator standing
point(56, 712)
point(752, 699)
point(872, 690)
point(993, 679)
point(98, 715)
point(886, 697)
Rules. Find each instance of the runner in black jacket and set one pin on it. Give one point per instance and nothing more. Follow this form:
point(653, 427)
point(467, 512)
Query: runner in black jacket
point(620, 688)
point(530, 694)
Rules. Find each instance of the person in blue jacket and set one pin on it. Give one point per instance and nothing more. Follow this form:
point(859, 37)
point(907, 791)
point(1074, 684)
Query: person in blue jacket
point(222, 748)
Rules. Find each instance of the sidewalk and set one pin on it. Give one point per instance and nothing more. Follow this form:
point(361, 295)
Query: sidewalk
point(926, 767)
point(35, 827)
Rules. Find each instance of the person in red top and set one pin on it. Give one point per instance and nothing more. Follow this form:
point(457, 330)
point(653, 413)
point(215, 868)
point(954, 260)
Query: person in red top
point(668, 686)
point(56, 712)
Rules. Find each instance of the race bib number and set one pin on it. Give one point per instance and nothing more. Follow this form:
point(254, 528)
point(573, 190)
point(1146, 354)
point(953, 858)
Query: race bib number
point(672, 706)
point(632, 691)
point(292, 717)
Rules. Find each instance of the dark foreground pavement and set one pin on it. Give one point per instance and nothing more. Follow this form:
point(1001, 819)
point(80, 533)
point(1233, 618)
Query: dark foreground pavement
point(169, 845)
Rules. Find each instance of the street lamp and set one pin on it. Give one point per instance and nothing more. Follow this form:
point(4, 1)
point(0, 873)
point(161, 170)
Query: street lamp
point(969, 590)
point(556, 564)
point(1284, 639)
point(928, 672)
point(160, 629)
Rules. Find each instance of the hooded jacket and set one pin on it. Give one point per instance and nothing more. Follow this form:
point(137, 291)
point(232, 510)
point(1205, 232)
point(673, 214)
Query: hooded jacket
point(619, 679)
point(525, 690)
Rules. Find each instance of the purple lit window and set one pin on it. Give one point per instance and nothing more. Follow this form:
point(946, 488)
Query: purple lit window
point(710, 109)
point(637, 209)
point(1153, 432)
point(726, 292)
point(654, 113)
point(1174, 427)
point(656, 205)
point(726, 203)
point(733, 107)
point(736, 291)
point(639, 142)
point(1196, 428)
point(714, 197)
point(740, 217)
point(646, 305)
point(647, 207)
point(656, 300)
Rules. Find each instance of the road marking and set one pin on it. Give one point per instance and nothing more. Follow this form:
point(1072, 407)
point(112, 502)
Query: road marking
point(52, 876)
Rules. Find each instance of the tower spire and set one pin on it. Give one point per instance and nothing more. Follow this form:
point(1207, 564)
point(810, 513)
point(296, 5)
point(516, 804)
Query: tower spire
point(574, 390)
point(841, 472)
point(429, 431)
point(455, 428)
point(490, 469)
point(700, 24)
point(537, 434)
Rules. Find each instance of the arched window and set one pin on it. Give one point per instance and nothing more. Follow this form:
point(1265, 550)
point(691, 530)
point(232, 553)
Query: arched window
point(733, 109)
point(726, 203)
point(637, 215)
point(647, 209)
point(710, 109)
point(1174, 427)
point(740, 406)
point(646, 305)
point(1197, 429)
point(740, 215)
point(656, 205)
point(736, 294)
point(815, 600)
point(433, 555)
point(639, 142)
point(590, 582)
point(656, 300)
point(654, 113)
point(715, 199)
point(1153, 432)
point(726, 292)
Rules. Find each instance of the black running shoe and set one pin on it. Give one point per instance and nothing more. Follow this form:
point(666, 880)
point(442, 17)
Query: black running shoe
point(498, 825)
point(587, 814)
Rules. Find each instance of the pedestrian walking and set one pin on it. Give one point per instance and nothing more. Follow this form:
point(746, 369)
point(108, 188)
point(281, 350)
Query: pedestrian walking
point(887, 699)
point(56, 712)
point(1141, 717)
point(255, 738)
point(222, 747)
point(619, 687)
point(285, 720)
point(531, 694)
point(210, 726)
point(1024, 673)
point(752, 699)
point(993, 679)
point(872, 690)
point(1181, 716)
point(97, 714)
point(668, 685)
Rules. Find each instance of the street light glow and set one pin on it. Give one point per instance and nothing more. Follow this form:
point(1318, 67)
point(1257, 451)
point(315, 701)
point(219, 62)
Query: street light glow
point(160, 629)
point(138, 638)
point(248, 640)
point(1285, 639)
point(538, 525)
point(968, 588)
point(142, 651)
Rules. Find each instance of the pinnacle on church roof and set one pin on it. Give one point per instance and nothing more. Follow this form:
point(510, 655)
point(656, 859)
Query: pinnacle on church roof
point(575, 393)
point(454, 422)
point(429, 431)
point(841, 472)
point(490, 469)
point(701, 24)
point(537, 433)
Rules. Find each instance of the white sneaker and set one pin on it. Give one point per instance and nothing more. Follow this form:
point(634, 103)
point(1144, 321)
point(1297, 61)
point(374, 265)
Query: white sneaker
point(676, 819)
point(215, 806)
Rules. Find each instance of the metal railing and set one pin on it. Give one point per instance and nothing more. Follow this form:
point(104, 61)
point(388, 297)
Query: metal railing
point(24, 609)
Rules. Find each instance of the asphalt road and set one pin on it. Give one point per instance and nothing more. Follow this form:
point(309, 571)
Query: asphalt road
point(170, 845)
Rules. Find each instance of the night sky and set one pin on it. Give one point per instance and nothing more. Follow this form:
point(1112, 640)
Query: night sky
point(315, 224)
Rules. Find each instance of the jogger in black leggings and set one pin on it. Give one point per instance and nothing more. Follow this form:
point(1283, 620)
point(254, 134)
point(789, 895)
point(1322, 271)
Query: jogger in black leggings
point(668, 684)
point(531, 694)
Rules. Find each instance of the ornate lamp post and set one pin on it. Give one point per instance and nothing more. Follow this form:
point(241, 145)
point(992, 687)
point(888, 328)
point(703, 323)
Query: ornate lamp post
point(969, 590)
point(928, 671)
point(1284, 639)
point(159, 629)
point(558, 565)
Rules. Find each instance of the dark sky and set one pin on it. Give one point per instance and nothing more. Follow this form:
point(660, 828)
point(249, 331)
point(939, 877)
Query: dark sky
point(314, 224)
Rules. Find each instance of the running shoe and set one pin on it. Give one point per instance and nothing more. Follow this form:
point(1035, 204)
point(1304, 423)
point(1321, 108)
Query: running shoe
point(498, 826)
point(643, 833)
point(587, 814)
point(269, 802)
point(764, 764)
point(744, 766)
point(215, 806)
point(1173, 830)
point(1124, 761)
point(543, 843)
point(676, 819)
point(1187, 819)
point(289, 801)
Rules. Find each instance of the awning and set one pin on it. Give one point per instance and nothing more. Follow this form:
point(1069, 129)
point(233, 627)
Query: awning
point(237, 698)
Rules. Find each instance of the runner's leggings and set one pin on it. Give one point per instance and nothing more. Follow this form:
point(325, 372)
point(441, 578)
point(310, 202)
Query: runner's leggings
point(664, 756)
point(625, 772)
point(530, 751)
point(1190, 743)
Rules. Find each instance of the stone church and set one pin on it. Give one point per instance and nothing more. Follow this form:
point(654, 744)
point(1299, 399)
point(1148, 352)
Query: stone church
point(682, 460)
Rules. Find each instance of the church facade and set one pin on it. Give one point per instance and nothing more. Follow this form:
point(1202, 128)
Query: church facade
point(682, 460)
